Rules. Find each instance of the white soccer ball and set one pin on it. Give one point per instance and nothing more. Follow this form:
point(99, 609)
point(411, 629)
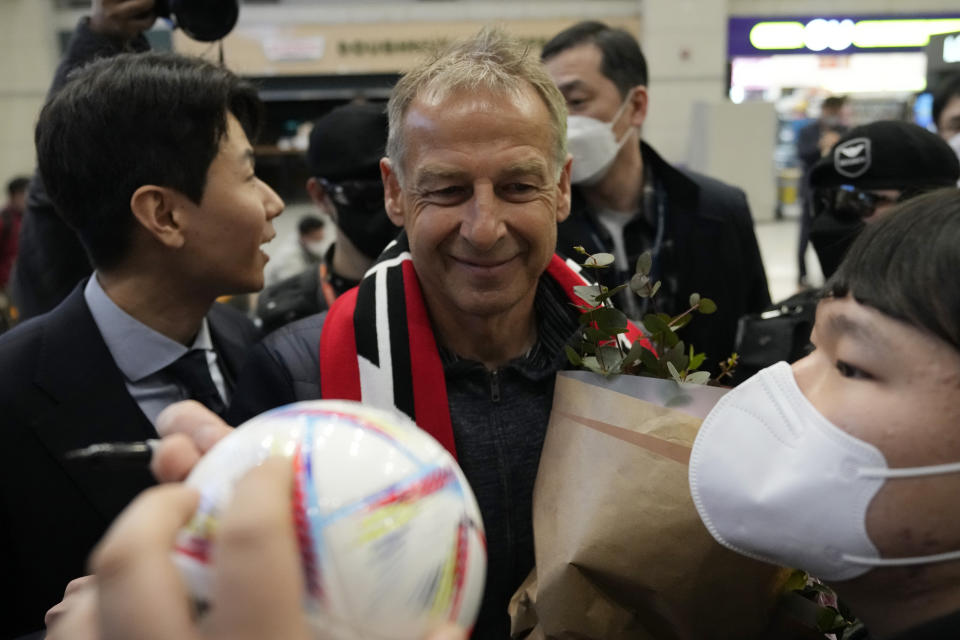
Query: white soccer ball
point(389, 531)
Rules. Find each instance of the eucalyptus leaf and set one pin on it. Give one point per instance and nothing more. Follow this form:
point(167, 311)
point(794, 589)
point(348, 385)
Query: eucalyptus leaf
point(588, 293)
point(595, 335)
point(707, 306)
point(694, 299)
point(645, 263)
point(698, 377)
point(599, 260)
point(696, 360)
point(650, 361)
point(681, 322)
point(673, 371)
point(656, 287)
point(606, 295)
point(655, 324)
point(640, 285)
point(573, 356)
point(609, 358)
point(611, 320)
point(590, 362)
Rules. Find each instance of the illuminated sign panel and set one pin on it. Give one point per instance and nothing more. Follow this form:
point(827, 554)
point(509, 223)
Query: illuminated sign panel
point(836, 34)
point(951, 49)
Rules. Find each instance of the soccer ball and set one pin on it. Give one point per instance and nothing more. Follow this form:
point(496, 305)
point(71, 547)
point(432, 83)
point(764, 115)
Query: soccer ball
point(389, 532)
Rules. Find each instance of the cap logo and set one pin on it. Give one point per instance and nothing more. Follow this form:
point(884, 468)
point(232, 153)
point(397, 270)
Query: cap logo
point(852, 158)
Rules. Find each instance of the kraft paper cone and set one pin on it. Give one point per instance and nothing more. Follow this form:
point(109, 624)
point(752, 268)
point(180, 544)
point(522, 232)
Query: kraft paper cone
point(620, 549)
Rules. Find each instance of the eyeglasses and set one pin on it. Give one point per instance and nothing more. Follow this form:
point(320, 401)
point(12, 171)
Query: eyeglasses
point(849, 202)
point(355, 194)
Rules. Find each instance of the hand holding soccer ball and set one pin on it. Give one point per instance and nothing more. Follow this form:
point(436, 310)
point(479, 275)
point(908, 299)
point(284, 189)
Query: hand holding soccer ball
point(389, 533)
point(257, 576)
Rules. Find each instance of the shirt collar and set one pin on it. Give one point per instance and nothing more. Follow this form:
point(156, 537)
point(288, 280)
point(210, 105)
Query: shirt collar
point(138, 350)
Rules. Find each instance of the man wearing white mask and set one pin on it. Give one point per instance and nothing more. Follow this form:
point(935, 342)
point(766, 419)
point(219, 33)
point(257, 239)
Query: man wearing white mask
point(946, 112)
point(627, 199)
point(847, 463)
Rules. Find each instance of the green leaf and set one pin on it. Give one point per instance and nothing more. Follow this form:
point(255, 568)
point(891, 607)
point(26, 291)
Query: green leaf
point(796, 581)
point(655, 324)
point(644, 263)
point(610, 359)
point(610, 320)
point(707, 306)
point(656, 287)
point(635, 353)
point(682, 322)
point(610, 293)
point(698, 377)
point(591, 363)
point(670, 338)
point(599, 260)
point(588, 293)
point(694, 299)
point(595, 335)
point(651, 364)
point(640, 285)
point(673, 372)
point(573, 356)
point(696, 360)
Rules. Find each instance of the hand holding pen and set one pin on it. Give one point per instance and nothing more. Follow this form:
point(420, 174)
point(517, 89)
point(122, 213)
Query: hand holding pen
point(137, 591)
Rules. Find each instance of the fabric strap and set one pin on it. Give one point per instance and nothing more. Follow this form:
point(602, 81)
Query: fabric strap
point(377, 344)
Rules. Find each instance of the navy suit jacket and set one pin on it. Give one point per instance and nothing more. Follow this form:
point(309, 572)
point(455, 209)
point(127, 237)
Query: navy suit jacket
point(60, 390)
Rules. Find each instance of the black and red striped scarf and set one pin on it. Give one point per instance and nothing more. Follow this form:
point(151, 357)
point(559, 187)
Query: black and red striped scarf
point(377, 344)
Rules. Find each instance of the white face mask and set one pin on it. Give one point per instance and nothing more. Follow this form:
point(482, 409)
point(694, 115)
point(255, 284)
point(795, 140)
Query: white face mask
point(315, 248)
point(593, 146)
point(775, 480)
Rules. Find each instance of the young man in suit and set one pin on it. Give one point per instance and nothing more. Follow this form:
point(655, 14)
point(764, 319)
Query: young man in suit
point(148, 158)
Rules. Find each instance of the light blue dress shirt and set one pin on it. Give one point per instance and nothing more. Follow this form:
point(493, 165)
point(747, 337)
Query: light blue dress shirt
point(142, 353)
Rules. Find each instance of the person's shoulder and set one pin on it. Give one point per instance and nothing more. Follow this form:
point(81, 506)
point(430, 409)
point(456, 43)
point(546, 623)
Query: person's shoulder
point(713, 187)
point(19, 350)
point(297, 337)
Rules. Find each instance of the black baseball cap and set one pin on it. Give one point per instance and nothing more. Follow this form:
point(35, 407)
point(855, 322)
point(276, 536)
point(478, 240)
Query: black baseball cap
point(888, 154)
point(348, 142)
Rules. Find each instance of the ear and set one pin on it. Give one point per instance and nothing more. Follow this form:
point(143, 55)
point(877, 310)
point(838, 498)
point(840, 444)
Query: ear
point(639, 99)
point(563, 187)
point(159, 211)
point(392, 192)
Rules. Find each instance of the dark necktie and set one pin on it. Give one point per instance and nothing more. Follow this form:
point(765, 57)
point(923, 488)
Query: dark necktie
point(192, 371)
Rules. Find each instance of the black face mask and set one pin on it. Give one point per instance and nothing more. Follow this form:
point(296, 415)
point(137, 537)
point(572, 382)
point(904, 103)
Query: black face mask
point(838, 214)
point(831, 237)
point(361, 216)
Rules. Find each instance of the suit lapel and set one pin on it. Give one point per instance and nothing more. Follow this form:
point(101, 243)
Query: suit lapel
point(90, 403)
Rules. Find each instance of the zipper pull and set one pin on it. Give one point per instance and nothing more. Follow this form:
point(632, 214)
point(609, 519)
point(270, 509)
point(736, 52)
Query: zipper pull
point(495, 385)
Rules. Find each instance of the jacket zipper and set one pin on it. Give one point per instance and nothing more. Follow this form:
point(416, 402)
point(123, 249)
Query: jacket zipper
point(495, 385)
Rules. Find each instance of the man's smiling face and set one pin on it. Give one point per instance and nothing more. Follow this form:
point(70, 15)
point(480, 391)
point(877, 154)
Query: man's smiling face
point(480, 199)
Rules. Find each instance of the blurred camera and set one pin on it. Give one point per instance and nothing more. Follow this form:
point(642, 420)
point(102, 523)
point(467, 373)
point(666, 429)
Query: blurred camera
point(203, 20)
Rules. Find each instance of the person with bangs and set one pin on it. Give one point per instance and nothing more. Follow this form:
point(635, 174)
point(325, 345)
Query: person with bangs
point(846, 464)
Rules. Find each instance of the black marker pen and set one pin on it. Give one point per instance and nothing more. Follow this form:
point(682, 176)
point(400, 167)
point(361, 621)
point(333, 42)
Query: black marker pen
point(116, 452)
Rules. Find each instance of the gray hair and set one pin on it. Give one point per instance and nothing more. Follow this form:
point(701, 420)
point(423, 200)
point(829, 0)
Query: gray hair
point(489, 61)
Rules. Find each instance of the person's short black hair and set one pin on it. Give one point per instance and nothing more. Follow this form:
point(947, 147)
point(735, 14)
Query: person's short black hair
point(17, 185)
point(947, 90)
point(833, 103)
point(309, 224)
point(906, 264)
point(131, 120)
point(622, 59)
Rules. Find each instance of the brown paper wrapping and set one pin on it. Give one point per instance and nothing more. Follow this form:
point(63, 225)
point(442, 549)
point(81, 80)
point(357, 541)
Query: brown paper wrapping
point(620, 549)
